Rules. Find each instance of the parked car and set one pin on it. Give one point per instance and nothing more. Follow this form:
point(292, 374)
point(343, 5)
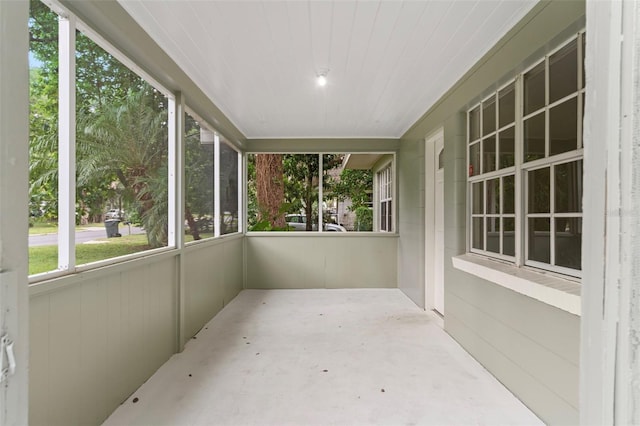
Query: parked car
point(298, 222)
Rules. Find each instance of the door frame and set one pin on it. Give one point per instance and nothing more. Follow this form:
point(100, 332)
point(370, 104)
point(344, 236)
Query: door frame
point(430, 217)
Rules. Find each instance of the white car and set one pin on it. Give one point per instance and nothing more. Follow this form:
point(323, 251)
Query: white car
point(298, 222)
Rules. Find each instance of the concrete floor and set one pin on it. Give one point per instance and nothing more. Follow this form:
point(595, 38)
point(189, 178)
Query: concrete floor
point(322, 357)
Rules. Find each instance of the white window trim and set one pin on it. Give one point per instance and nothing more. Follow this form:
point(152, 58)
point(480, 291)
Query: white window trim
point(387, 172)
point(521, 168)
point(546, 287)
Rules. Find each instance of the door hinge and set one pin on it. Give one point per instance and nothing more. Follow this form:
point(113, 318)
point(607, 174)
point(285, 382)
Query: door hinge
point(6, 352)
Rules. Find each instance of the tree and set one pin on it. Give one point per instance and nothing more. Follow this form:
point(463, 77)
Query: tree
point(99, 79)
point(355, 185)
point(270, 189)
point(199, 180)
point(128, 140)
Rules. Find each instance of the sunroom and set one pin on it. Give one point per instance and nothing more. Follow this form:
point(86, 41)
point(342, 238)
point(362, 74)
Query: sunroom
point(472, 158)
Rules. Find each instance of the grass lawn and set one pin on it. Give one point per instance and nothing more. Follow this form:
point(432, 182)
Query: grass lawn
point(48, 228)
point(45, 258)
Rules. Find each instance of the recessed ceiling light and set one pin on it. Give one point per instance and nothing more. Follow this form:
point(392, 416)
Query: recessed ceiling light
point(322, 78)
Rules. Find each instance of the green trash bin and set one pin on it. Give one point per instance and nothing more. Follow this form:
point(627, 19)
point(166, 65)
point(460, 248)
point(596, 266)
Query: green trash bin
point(111, 226)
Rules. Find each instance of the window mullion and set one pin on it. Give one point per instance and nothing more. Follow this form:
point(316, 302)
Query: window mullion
point(241, 211)
point(176, 171)
point(216, 185)
point(320, 193)
point(552, 228)
point(519, 183)
point(66, 143)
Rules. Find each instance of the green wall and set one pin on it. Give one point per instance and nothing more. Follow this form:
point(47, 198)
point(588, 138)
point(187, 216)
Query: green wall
point(531, 347)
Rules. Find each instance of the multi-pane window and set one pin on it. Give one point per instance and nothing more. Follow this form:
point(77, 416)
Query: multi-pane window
point(492, 173)
point(386, 199)
point(525, 165)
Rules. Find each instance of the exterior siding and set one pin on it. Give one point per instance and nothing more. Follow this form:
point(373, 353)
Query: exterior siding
point(95, 340)
point(98, 335)
point(321, 261)
point(213, 277)
point(529, 346)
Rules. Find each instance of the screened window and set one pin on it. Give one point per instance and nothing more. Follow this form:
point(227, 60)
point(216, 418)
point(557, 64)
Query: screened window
point(525, 161)
point(98, 171)
point(229, 197)
point(328, 192)
point(199, 204)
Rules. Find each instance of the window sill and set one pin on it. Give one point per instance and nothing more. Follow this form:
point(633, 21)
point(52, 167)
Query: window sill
point(554, 291)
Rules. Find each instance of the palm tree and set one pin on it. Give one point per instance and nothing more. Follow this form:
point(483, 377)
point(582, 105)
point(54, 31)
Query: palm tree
point(128, 140)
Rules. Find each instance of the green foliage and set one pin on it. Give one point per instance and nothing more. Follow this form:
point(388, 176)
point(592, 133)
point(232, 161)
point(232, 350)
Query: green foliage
point(355, 185)
point(364, 219)
point(127, 141)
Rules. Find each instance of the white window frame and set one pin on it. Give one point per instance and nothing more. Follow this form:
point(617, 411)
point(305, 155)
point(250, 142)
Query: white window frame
point(521, 169)
point(218, 139)
point(386, 180)
point(375, 189)
point(68, 24)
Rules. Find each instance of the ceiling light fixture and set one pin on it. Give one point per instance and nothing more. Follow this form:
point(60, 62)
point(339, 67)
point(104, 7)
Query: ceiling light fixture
point(322, 78)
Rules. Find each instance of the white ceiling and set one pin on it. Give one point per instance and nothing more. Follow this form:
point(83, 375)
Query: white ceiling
point(388, 61)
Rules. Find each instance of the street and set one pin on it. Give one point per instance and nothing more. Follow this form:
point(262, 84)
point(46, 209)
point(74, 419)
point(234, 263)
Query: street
point(82, 235)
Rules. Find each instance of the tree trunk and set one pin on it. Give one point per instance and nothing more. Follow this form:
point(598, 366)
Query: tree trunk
point(308, 199)
point(270, 188)
point(193, 225)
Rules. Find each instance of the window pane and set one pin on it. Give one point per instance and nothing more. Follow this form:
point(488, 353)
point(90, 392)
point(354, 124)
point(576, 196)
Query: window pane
point(489, 154)
point(563, 72)
point(477, 231)
point(474, 159)
point(488, 116)
point(493, 196)
point(534, 97)
point(507, 106)
point(563, 127)
point(43, 140)
point(474, 124)
point(508, 194)
point(507, 148)
point(584, 46)
point(348, 192)
point(568, 242)
point(539, 191)
point(539, 241)
point(493, 234)
point(383, 217)
point(199, 177)
point(508, 236)
point(389, 216)
point(568, 187)
point(121, 155)
point(477, 195)
point(534, 137)
point(228, 189)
